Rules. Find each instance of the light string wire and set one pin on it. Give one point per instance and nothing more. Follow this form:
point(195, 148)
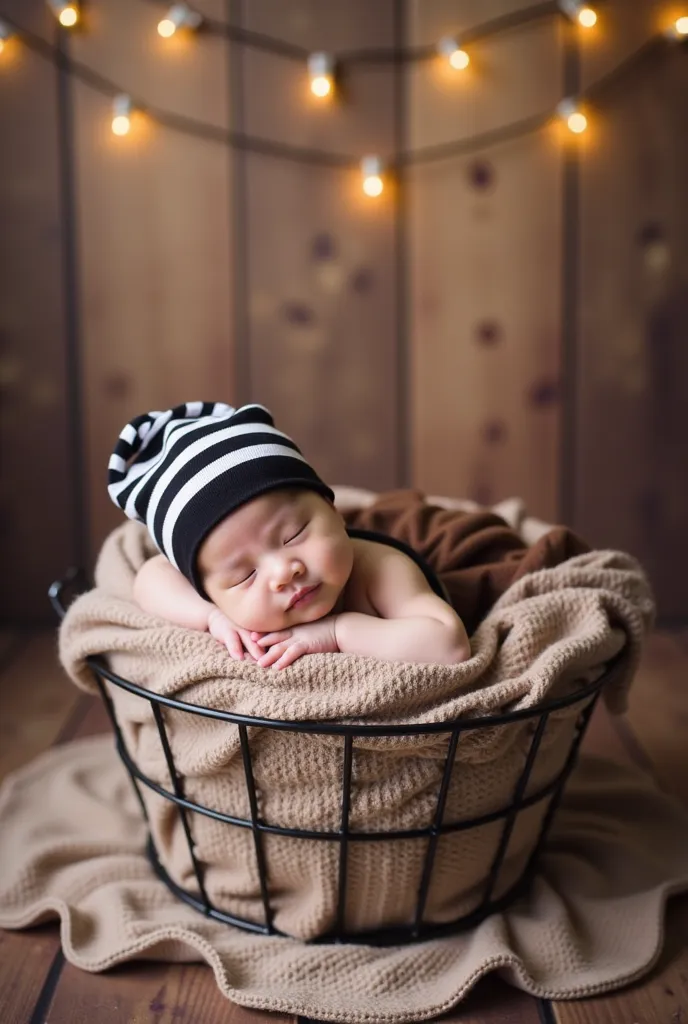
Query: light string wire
point(375, 55)
point(287, 151)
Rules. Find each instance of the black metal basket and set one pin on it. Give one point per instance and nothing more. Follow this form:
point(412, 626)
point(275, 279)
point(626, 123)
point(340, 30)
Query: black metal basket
point(418, 928)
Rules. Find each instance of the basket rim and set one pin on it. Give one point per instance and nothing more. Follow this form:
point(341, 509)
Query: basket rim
point(98, 664)
point(339, 728)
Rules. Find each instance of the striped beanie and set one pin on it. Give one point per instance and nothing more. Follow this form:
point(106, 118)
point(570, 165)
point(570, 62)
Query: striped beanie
point(180, 472)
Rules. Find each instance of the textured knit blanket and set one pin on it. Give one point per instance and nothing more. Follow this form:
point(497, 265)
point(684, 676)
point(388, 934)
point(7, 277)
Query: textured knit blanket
point(552, 630)
point(72, 836)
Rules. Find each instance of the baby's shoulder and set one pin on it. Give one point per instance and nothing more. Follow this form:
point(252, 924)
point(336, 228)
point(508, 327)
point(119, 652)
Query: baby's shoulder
point(374, 560)
point(383, 579)
point(371, 562)
point(370, 555)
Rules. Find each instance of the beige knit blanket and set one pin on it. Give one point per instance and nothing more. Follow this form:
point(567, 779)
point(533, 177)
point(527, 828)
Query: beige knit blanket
point(547, 635)
point(583, 927)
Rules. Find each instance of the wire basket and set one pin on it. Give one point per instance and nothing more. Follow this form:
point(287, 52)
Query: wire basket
point(419, 928)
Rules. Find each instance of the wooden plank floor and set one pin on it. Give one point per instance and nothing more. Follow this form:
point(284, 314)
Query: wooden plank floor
point(40, 708)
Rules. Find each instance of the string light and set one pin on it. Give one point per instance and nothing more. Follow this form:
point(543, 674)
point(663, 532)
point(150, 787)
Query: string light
point(371, 169)
point(449, 47)
point(178, 16)
point(5, 34)
point(121, 114)
point(320, 70)
point(584, 14)
point(68, 14)
point(576, 120)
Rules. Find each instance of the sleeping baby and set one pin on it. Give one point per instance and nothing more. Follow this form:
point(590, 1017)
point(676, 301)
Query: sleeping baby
point(254, 551)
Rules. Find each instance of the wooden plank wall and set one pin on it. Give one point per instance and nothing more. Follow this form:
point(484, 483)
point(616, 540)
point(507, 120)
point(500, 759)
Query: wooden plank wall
point(454, 335)
point(321, 304)
point(548, 293)
point(632, 346)
point(153, 221)
point(37, 536)
point(485, 235)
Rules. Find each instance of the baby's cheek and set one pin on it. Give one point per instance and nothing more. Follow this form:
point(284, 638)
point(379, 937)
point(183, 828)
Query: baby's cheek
point(342, 561)
point(259, 618)
point(226, 605)
point(332, 556)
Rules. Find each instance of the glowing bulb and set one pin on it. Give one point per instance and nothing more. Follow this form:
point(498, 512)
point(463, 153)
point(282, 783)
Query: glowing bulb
point(577, 122)
point(448, 47)
point(373, 185)
point(320, 70)
point(321, 86)
point(178, 16)
point(121, 125)
point(585, 15)
point(121, 114)
point(5, 34)
point(459, 60)
point(575, 119)
point(69, 17)
point(681, 26)
point(371, 169)
point(67, 13)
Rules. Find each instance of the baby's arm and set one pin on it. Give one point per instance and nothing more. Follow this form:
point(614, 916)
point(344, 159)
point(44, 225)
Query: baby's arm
point(414, 624)
point(161, 589)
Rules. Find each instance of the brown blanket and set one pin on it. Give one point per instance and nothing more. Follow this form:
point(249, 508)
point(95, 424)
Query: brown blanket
point(477, 554)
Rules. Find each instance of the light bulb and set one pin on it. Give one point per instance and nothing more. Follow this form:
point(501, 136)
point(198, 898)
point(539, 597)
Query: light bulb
point(577, 122)
point(320, 70)
point(5, 34)
point(371, 169)
point(575, 119)
point(121, 114)
point(178, 16)
point(449, 47)
point(166, 28)
point(321, 86)
point(67, 13)
point(587, 17)
point(681, 26)
point(584, 14)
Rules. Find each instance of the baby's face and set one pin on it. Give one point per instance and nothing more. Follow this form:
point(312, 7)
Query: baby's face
point(281, 560)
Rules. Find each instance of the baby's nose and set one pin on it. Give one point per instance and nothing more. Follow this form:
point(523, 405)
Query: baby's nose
point(283, 571)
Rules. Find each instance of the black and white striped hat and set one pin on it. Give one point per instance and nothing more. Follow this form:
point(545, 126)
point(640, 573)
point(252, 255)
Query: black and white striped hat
point(180, 472)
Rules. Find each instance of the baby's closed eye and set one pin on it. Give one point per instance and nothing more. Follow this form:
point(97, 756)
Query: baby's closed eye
point(294, 533)
point(241, 577)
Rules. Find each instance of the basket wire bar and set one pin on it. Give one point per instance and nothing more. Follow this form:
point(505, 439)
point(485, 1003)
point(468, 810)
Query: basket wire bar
point(120, 744)
point(188, 897)
point(344, 833)
point(257, 840)
point(179, 793)
point(418, 929)
point(435, 832)
point(510, 819)
point(581, 726)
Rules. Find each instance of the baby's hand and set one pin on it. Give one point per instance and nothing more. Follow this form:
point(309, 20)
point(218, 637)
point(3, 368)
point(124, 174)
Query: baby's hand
point(289, 644)
point(235, 640)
